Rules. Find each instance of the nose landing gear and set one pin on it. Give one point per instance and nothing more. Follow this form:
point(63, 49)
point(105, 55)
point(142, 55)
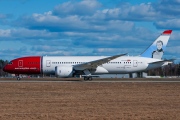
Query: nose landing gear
point(18, 77)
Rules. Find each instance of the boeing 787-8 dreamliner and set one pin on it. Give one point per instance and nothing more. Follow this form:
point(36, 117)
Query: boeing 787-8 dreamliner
point(89, 66)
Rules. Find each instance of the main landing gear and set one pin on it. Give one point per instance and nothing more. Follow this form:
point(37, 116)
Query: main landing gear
point(87, 78)
point(18, 77)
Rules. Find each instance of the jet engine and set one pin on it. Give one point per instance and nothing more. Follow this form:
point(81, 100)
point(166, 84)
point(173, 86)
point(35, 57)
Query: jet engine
point(64, 71)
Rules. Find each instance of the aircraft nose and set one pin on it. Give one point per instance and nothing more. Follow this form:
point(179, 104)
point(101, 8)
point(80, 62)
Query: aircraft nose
point(4, 69)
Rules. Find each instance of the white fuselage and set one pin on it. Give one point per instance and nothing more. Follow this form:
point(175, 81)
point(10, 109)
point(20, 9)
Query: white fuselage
point(121, 65)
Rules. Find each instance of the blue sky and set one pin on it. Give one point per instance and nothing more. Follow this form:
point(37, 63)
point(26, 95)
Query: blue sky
point(86, 27)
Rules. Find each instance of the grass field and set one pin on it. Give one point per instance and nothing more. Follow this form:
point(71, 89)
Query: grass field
point(86, 100)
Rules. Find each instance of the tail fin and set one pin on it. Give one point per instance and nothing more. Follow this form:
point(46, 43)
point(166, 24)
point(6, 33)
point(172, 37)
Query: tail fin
point(156, 50)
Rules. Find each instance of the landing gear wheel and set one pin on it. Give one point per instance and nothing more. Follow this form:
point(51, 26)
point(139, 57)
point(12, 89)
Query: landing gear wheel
point(87, 78)
point(90, 78)
point(18, 78)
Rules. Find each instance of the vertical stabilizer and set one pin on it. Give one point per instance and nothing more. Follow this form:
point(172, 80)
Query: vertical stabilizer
point(156, 50)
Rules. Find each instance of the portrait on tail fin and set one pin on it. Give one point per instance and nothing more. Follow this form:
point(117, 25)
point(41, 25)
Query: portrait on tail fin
point(159, 52)
point(156, 49)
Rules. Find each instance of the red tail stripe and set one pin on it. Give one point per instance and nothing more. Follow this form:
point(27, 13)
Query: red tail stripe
point(167, 32)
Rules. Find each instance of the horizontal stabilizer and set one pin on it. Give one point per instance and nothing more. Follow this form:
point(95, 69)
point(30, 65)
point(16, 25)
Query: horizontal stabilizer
point(163, 61)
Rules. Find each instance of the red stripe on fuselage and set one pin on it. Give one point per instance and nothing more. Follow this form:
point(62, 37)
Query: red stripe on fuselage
point(24, 65)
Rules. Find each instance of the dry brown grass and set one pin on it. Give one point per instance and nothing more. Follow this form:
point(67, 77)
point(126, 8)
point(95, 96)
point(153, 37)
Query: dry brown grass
point(83, 100)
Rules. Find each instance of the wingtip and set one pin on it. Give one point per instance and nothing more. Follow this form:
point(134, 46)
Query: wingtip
point(167, 32)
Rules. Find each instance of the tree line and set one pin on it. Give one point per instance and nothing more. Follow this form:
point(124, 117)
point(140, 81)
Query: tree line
point(169, 70)
point(2, 64)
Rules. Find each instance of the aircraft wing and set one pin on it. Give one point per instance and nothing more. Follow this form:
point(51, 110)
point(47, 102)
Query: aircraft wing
point(96, 63)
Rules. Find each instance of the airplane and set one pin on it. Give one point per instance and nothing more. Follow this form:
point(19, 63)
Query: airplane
point(92, 66)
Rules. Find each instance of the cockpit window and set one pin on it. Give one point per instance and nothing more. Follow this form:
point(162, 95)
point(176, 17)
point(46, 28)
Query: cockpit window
point(10, 63)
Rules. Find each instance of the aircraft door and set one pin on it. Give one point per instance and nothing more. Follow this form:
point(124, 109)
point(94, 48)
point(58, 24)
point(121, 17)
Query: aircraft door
point(48, 63)
point(135, 63)
point(20, 63)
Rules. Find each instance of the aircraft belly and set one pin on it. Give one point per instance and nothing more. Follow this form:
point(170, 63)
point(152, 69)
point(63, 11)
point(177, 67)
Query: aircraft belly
point(115, 69)
point(49, 70)
point(123, 69)
point(25, 70)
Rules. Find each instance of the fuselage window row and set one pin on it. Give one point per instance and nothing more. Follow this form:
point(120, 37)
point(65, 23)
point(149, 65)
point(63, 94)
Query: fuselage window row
point(86, 62)
point(33, 63)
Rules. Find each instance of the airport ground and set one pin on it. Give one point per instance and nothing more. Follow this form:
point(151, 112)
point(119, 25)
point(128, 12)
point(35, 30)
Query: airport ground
point(101, 99)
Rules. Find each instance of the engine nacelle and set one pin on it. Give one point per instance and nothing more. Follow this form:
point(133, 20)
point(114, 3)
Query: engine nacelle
point(63, 71)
